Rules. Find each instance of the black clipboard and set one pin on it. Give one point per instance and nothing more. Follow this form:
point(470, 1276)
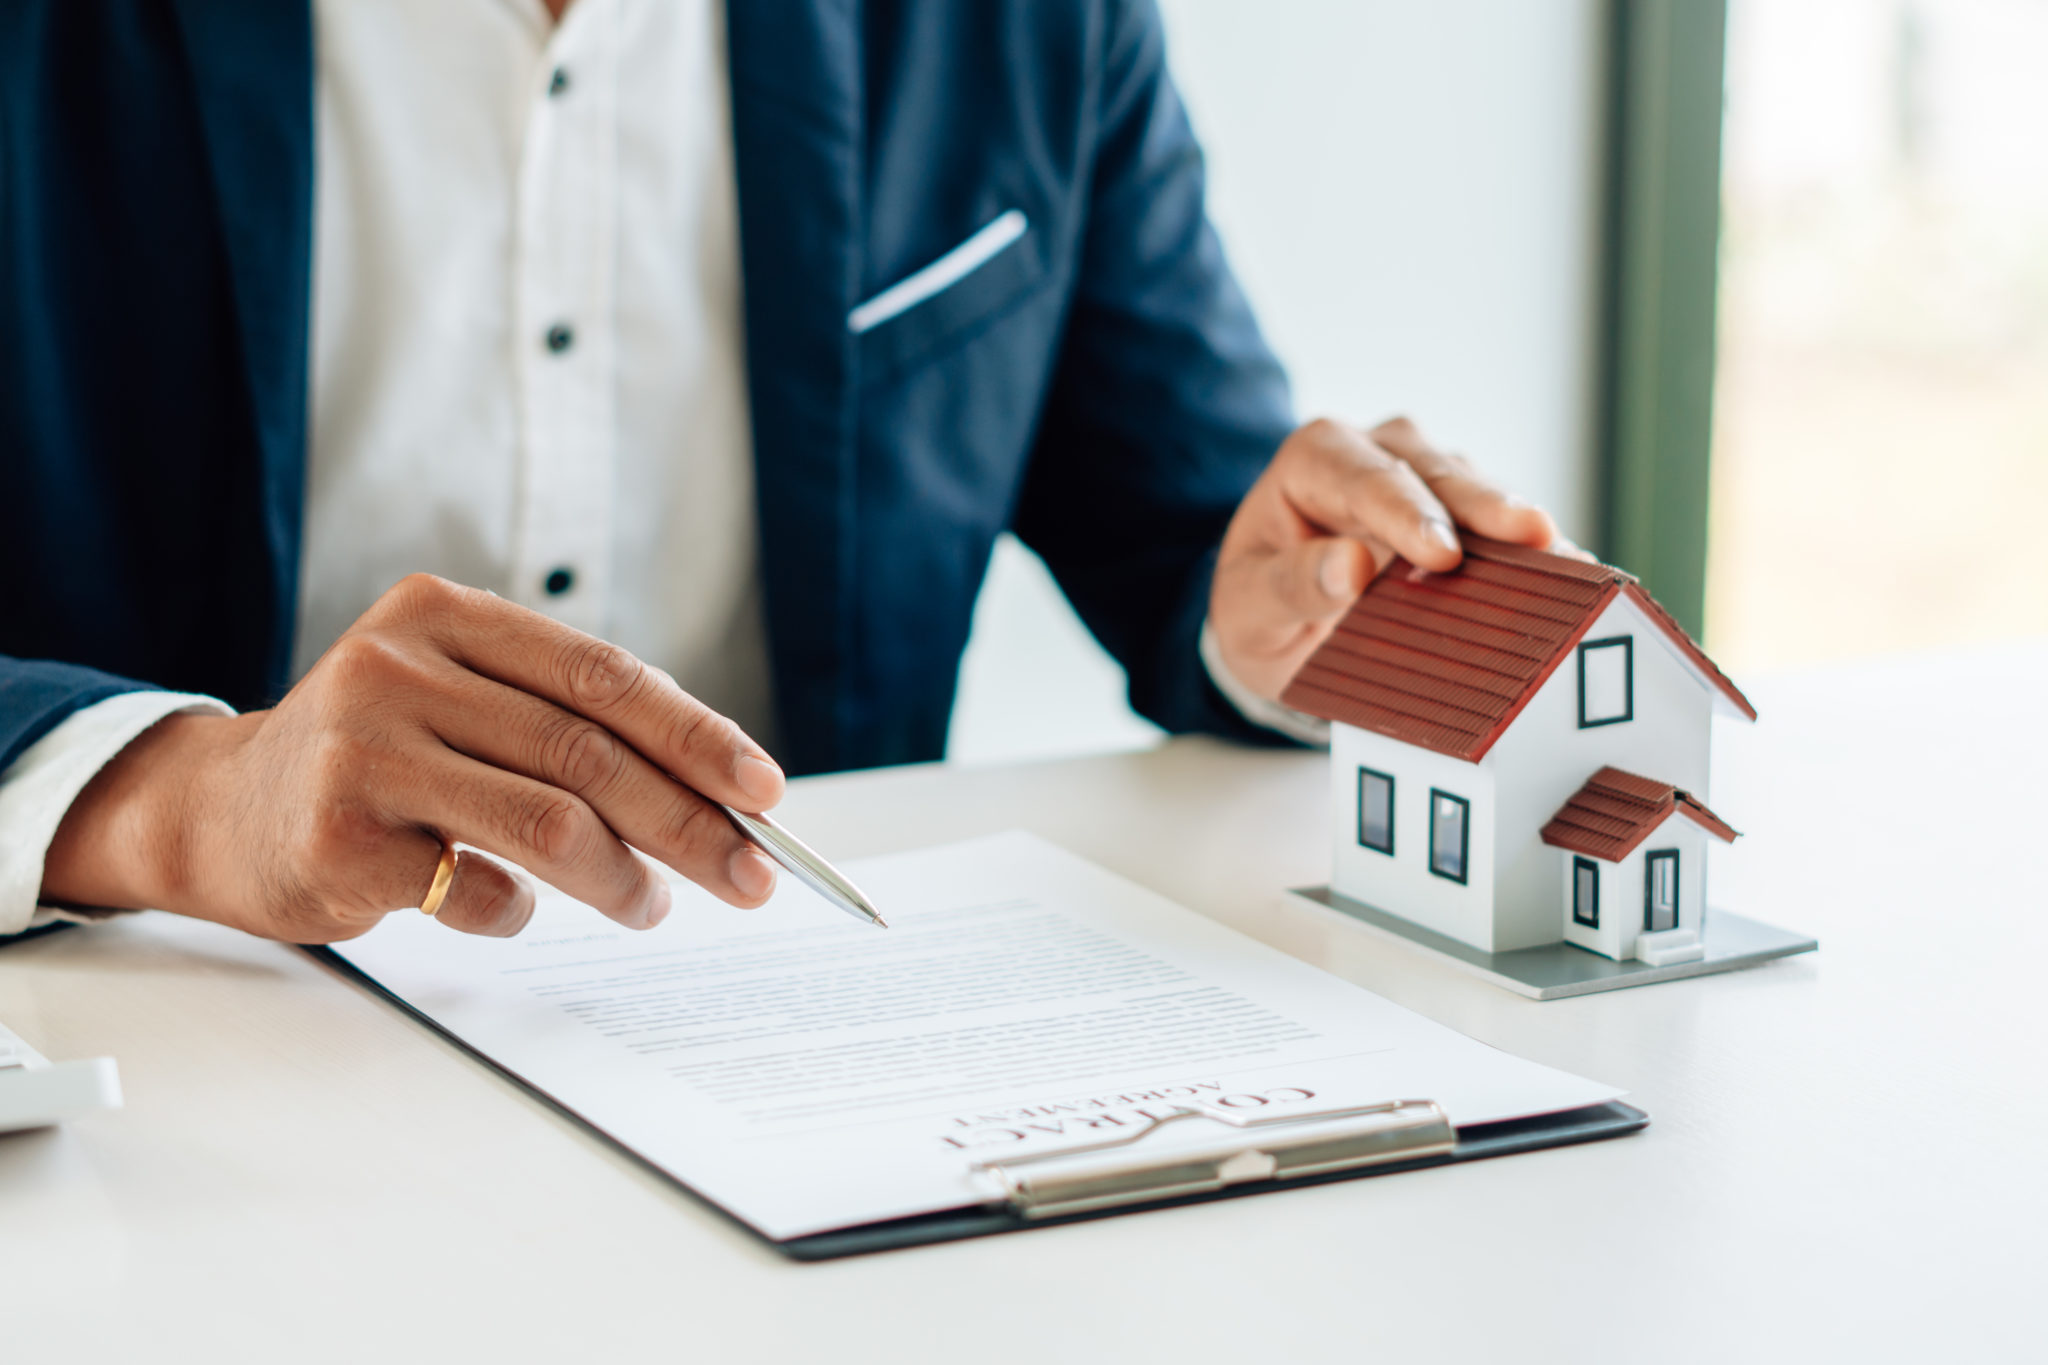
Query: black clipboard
point(1474, 1143)
point(1441, 1146)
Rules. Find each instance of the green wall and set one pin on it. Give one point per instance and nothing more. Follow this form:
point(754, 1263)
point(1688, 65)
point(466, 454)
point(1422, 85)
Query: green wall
point(1663, 230)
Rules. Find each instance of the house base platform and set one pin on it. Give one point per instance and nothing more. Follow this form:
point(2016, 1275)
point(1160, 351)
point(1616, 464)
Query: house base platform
point(1557, 970)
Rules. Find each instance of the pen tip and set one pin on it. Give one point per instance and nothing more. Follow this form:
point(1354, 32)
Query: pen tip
point(879, 920)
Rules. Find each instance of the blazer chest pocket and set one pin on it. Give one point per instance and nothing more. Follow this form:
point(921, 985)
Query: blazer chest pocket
point(950, 298)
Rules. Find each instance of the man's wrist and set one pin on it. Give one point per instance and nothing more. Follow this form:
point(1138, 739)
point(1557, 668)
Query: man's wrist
point(39, 788)
point(1260, 711)
point(129, 839)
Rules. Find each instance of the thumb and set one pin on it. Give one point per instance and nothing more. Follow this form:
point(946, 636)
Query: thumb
point(1270, 612)
point(1320, 577)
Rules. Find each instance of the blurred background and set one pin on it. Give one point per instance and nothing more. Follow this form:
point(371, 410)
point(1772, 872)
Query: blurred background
point(1881, 415)
point(1434, 209)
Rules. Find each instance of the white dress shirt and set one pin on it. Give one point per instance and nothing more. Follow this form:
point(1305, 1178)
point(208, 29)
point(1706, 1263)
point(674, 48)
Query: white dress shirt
point(527, 358)
point(527, 364)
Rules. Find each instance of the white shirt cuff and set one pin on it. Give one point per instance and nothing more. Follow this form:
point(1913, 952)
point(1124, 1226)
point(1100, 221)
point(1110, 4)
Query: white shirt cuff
point(38, 788)
point(1298, 725)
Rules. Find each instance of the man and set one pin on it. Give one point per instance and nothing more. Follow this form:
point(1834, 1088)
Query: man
point(679, 368)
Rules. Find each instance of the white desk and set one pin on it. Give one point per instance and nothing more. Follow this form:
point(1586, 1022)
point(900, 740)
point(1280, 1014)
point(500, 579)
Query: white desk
point(1849, 1159)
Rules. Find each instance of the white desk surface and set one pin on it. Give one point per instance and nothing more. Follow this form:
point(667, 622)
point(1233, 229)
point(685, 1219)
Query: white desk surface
point(1848, 1160)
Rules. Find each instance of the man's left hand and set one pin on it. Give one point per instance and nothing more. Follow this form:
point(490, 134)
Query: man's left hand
point(1332, 510)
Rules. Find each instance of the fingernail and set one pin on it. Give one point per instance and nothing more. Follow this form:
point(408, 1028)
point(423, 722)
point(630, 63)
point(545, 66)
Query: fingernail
point(758, 778)
point(1336, 573)
point(751, 875)
point(1444, 535)
point(658, 905)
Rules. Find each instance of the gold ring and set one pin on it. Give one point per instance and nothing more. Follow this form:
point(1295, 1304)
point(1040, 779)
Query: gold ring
point(444, 875)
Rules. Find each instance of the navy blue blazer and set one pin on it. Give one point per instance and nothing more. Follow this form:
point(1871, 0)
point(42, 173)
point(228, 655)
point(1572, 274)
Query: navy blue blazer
point(1100, 386)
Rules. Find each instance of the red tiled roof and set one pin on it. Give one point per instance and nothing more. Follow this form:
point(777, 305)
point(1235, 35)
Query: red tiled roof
point(1615, 811)
point(1447, 661)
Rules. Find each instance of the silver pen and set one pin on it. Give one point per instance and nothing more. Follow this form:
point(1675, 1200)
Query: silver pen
point(808, 868)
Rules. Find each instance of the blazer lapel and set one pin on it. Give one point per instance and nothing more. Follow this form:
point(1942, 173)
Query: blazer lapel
point(252, 71)
point(797, 129)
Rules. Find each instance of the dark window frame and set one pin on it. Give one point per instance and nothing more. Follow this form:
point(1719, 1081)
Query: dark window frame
point(1650, 884)
point(1464, 871)
point(1628, 680)
point(1388, 778)
point(1579, 865)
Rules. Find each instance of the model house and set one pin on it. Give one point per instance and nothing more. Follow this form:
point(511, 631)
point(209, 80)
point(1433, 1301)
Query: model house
point(1519, 752)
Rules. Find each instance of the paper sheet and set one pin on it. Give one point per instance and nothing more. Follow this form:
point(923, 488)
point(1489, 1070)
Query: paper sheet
point(807, 1072)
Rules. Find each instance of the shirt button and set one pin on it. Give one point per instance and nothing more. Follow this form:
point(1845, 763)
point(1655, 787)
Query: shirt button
point(558, 82)
point(560, 581)
point(561, 337)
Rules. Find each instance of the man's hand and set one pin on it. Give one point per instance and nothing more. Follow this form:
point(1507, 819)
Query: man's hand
point(1333, 509)
point(444, 713)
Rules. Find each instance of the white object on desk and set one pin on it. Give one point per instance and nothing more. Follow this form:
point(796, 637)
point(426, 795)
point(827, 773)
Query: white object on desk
point(38, 1093)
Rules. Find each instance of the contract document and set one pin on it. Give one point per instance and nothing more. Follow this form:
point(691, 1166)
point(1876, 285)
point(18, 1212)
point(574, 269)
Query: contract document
point(808, 1073)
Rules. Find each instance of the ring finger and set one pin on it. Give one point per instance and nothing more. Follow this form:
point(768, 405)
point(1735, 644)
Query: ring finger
point(485, 898)
point(482, 897)
point(547, 831)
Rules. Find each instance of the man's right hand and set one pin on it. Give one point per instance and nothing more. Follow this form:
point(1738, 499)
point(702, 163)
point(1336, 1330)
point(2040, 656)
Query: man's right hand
point(444, 713)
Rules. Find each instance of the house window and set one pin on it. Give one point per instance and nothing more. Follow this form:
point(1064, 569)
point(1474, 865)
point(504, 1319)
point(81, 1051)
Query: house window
point(1660, 891)
point(1586, 892)
point(1607, 681)
point(1450, 835)
point(1375, 811)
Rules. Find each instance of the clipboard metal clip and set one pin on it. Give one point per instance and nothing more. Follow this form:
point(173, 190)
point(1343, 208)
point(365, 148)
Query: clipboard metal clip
point(1101, 1175)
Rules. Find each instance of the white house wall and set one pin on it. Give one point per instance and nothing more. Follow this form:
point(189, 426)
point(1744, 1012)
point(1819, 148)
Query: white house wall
point(1607, 938)
point(1544, 757)
point(1402, 883)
